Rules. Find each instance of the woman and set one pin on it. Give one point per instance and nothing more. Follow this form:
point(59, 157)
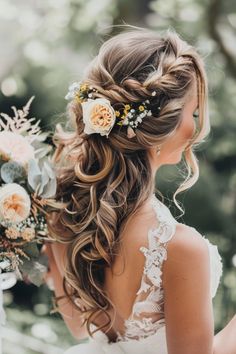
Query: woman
point(125, 273)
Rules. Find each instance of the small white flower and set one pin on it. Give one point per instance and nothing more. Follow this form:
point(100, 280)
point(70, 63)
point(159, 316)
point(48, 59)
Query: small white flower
point(125, 121)
point(73, 88)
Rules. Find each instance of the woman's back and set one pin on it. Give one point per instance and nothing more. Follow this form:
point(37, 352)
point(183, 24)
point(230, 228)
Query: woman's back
point(136, 288)
point(123, 280)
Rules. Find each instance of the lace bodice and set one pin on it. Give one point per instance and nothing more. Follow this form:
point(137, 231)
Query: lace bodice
point(147, 321)
point(148, 310)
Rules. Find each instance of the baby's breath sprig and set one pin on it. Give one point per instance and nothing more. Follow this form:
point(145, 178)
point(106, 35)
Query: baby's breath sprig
point(27, 229)
point(133, 114)
point(80, 91)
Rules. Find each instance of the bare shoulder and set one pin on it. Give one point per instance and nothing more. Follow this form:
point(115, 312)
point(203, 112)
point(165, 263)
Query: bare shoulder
point(187, 242)
point(187, 254)
point(186, 283)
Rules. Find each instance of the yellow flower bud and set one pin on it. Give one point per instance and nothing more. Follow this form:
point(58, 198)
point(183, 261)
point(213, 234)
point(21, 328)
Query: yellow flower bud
point(117, 113)
point(83, 87)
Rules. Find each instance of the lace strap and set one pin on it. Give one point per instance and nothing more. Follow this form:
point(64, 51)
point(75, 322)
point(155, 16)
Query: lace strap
point(156, 252)
point(148, 309)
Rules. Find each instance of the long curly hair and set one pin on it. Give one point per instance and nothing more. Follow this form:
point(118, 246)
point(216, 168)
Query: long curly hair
point(103, 181)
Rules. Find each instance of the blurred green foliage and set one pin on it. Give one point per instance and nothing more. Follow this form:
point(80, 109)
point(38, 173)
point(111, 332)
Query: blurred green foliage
point(48, 46)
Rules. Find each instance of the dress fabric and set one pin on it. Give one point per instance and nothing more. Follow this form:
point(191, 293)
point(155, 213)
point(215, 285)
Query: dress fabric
point(145, 328)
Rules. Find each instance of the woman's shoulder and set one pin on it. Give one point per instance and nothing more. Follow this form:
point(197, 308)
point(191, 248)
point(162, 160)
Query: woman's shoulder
point(187, 241)
point(184, 241)
point(184, 255)
point(188, 253)
point(185, 246)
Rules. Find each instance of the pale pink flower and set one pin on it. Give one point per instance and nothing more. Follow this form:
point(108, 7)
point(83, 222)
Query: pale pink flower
point(15, 147)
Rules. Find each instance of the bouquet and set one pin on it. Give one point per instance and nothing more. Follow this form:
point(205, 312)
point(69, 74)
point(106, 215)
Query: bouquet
point(27, 179)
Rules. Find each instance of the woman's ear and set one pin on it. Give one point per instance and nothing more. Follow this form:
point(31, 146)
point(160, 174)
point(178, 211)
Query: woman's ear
point(151, 153)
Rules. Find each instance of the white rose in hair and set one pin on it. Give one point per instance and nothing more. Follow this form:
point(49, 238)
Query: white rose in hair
point(15, 147)
point(14, 203)
point(98, 116)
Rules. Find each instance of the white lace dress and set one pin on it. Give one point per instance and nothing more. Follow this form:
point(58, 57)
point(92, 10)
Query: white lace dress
point(145, 328)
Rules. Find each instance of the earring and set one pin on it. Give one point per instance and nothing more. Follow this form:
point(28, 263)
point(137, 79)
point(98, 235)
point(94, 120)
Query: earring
point(158, 151)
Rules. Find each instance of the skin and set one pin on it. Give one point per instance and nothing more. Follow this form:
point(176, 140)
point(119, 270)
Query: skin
point(186, 272)
point(173, 147)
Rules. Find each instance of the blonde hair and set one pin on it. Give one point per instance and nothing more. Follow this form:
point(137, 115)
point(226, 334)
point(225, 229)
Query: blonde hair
point(102, 181)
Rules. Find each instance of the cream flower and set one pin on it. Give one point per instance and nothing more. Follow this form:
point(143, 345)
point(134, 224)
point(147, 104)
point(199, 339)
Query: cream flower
point(12, 233)
point(14, 203)
point(98, 116)
point(28, 234)
point(15, 147)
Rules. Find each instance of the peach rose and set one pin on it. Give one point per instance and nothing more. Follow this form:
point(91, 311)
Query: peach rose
point(15, 147)
point(98, 116)
point(28, 234)
point(15, 203)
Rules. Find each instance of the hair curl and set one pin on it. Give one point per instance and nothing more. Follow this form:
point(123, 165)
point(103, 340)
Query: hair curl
point(103, 181)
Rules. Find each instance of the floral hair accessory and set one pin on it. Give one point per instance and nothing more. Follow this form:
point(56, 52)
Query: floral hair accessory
point(133, 114)
point(98, 114)
point(80, 91)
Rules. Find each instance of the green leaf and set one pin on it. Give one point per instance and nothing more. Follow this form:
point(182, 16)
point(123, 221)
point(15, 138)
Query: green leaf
point(31, 249)
point(35, 269)
point(11, 171)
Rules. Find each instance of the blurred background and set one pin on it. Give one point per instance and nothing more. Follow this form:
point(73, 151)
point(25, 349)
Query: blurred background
point(45, 45)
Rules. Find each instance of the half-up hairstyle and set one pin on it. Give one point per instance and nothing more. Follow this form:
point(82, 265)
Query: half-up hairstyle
point(103, 181)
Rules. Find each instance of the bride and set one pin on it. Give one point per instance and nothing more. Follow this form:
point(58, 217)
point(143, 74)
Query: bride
point(127, 277)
